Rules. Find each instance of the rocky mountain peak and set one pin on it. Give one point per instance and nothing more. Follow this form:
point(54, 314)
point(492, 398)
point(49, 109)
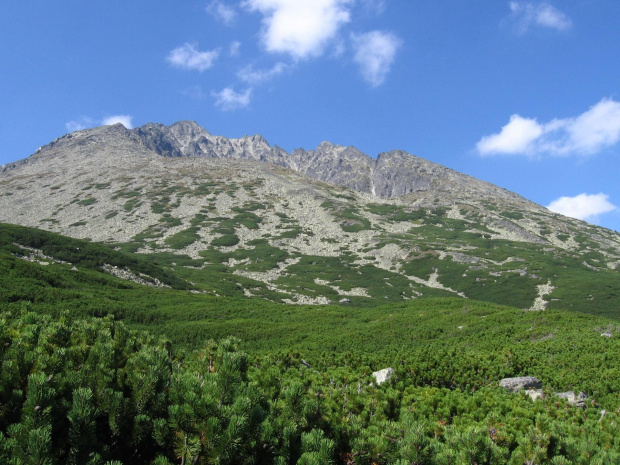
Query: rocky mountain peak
point(389, 175)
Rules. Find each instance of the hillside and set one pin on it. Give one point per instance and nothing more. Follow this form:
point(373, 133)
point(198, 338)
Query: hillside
point(78, 389)
point(238, 217)
point(146, 255)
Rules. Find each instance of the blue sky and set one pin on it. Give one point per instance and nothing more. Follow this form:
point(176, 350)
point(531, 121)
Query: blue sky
point(523, 94)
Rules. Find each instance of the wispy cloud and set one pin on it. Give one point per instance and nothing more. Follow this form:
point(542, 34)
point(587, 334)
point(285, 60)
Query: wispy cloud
point(229, 99)
point(188, 57)
point(294, 30)
point(527, 14)
point(234, 48)
point(583, 206)
point(300, 28)
point(222, 12)
point(374, 6)
point(80, 123)
point(374, 53)
point(86, 122)
point(253, 76)
point(195, 92)
point(594, 130)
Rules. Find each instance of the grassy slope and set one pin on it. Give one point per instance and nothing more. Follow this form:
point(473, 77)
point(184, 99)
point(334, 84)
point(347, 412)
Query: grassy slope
point(449, 342)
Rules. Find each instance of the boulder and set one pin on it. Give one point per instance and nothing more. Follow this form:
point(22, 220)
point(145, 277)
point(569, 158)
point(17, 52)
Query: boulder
point(523, 382)
point(578, 400)
point(384, 375)
point(535, 394)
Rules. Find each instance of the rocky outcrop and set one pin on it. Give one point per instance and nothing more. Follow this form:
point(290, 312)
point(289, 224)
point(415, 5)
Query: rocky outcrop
point(335, 164)
point(520, 383)
point(532, 387)
point(391, 174)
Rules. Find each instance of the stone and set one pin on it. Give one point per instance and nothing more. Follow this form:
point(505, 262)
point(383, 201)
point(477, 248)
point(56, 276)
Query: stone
point(523, 382)
point(534, 394)
point(578, 400)
point(384, 375)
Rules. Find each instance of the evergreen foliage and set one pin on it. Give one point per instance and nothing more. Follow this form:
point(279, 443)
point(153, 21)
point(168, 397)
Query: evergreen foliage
point(284, 384)
point(90, 391)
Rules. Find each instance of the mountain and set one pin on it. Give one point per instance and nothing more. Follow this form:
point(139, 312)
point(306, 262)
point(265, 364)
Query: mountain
point(391, 174)
point(242, 217)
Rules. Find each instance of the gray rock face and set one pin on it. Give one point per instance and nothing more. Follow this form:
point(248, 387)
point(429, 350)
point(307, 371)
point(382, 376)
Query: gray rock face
point(187, 139)
point(523, 382)
point(343, 166)
point(391, 174)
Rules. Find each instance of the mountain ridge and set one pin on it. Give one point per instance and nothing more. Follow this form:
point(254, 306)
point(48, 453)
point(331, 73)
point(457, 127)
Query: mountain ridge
point(336, 164)
point(389, 175)
point(234, 209)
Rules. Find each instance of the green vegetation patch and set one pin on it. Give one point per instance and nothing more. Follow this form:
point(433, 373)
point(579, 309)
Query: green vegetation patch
point(183, 238)
point(123, 193)
point(87, 201)
point(303, 390)
point(81, 253)
point(513, 215)
point(225, 240)
point(396, 212)
point(349, 217)
point(441, 402)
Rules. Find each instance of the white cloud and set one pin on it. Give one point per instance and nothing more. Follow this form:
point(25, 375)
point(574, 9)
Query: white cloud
point(593, 130)
point(543, 14)
point(188, 57)
point(234, 48)
point(374, 53)
point(516, 137)
point(222, 12)
point(252, 76)
point(589, 133)
point(125, 120)
point(301, 28)
point(229, 99)
point(583, 206)
point(86, 122)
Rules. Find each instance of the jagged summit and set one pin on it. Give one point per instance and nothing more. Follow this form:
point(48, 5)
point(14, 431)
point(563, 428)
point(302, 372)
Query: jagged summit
point(391, 174)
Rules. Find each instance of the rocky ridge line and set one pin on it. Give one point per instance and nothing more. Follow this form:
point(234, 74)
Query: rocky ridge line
point(392, 174)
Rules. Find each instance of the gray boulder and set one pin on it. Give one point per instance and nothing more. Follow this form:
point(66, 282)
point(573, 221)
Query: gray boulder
point(384, 375)
point(523, 382)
